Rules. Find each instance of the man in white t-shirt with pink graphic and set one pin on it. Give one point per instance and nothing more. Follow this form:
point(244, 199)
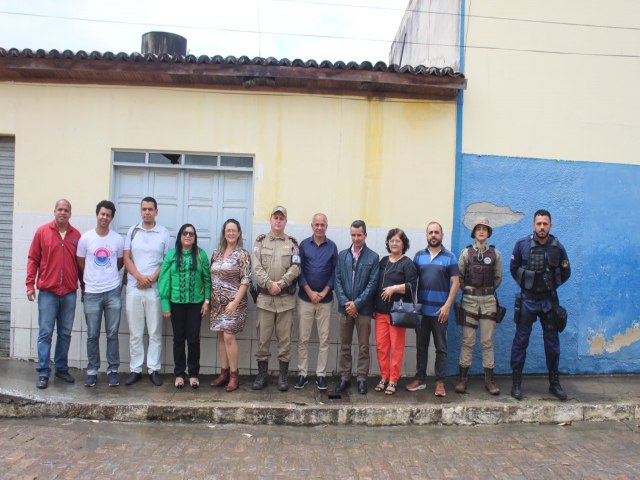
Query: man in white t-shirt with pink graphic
point(100, 257)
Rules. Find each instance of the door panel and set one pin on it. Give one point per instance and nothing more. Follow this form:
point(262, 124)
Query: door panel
point(167, 187)
point(236, 201)
point(201, 192)
point(204, 198)
point(128, 185)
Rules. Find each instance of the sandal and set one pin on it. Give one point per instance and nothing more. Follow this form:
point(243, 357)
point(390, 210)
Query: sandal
point(194, 382)
point(391, 388)
point(179, 383)
point(382, 384)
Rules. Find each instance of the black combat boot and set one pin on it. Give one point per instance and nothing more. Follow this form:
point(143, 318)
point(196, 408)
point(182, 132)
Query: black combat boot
point(262, 378)
point(283, 381)
point(554, 386)
point(516, 389)
point(461, 386)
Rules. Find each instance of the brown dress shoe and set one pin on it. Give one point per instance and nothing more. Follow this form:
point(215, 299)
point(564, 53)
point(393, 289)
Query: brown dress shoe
point(440, 391)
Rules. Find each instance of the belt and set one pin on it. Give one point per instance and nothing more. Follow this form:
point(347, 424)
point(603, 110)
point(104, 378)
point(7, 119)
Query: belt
point(478, 291)
point(536, 296)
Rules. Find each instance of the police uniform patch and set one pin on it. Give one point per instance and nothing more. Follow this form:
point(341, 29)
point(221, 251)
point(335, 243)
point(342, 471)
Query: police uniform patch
point(565, 263)
point(295, 257)
point(487, 260)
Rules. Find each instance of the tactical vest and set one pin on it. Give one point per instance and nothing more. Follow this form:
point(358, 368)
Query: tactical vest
point(542, 273)
point(481, 269)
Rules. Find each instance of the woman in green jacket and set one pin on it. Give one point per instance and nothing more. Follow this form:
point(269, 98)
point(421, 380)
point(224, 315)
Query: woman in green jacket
point(185, 291)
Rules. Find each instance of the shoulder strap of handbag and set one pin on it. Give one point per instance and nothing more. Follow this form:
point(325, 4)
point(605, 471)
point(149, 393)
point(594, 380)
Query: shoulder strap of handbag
point(414, 298)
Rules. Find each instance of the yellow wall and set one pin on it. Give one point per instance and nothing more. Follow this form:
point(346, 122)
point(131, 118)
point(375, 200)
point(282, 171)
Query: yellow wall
point(544, 105)
point(350, 157)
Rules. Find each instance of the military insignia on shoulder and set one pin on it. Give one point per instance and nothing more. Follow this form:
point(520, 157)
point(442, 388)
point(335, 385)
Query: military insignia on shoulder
point(259, 238)
point(295, 251)
point(565, 263)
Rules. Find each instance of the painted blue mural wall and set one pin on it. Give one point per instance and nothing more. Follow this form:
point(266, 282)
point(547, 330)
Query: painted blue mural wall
point(595, 210)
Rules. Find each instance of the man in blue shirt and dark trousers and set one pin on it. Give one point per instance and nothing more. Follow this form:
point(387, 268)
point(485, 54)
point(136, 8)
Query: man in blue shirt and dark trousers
point(439, 283)
point(318, 256)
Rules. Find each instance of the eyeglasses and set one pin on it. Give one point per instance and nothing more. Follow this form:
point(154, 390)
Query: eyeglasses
point(188, 234)
point(395, 240)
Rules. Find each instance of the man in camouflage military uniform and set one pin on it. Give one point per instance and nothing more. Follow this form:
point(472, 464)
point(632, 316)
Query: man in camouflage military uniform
point(276, 263)
point(480, 268)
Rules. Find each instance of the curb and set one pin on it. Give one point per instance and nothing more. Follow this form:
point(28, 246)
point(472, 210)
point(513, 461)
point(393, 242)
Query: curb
point(291, 414)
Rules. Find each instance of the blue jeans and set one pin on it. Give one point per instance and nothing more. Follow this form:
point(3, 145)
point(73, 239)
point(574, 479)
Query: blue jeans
point(95, 304)
point(428, 326)
point(54, 311)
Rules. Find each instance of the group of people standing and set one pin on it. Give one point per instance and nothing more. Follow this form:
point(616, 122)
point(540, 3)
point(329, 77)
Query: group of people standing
point(183, 285)
point(177, 283)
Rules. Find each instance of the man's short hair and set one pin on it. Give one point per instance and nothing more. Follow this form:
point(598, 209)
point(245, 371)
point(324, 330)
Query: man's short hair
point(434, 223)
point(108, 204)
point(541, 213)
point(326, 220)
point(150, 199)
point(63, 200)
point(359, 224)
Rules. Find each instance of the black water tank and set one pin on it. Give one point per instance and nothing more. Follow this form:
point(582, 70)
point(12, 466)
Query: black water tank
point(164, 42)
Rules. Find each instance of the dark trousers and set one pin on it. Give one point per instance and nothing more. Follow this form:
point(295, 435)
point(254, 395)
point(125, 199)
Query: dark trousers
point(529, 313)
point(185, 320)
point(428, 326)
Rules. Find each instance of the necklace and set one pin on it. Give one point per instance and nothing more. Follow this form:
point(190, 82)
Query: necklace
point(386, 267)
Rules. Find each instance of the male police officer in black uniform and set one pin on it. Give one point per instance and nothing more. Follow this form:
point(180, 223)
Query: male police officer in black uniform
point(539, 264)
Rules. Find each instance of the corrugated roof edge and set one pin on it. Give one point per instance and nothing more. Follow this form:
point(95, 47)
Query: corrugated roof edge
point(231, 60)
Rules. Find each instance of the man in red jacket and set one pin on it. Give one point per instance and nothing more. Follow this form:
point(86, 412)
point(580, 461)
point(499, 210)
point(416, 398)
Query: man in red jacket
point(52, 259)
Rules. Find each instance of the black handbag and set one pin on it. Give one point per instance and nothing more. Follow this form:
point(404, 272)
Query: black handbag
point(407, 314)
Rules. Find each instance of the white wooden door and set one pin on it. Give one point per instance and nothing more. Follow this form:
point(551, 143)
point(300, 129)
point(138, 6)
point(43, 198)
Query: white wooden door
point(204, 198)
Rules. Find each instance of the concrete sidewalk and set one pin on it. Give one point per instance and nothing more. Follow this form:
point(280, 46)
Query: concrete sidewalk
point(591, 398)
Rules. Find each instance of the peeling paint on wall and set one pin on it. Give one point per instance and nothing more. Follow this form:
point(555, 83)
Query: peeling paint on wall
point(599, 345)
point(498, 215)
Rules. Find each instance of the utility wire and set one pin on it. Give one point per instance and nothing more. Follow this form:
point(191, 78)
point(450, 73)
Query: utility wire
point(309, 35)
point(433, 12)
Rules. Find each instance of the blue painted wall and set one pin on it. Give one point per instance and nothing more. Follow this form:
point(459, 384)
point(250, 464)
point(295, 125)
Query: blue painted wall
point(595, 210)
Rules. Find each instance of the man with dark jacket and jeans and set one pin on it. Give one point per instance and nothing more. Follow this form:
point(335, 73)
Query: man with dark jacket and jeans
point(357, 273)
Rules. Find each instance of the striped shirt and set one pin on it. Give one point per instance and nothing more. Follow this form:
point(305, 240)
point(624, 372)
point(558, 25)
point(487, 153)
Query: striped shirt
point(435, 279)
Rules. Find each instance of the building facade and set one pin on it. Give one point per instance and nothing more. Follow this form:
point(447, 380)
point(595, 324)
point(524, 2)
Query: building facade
point(214, 138)
point(549, 120)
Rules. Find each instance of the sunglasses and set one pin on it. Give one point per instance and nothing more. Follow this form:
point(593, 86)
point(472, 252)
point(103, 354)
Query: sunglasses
point(188, 234)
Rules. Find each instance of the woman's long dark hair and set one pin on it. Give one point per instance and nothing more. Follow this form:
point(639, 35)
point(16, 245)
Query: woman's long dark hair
point(194, 250)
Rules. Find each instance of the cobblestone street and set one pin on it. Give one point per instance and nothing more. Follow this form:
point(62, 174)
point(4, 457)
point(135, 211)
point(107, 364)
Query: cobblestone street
point(75, 449)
